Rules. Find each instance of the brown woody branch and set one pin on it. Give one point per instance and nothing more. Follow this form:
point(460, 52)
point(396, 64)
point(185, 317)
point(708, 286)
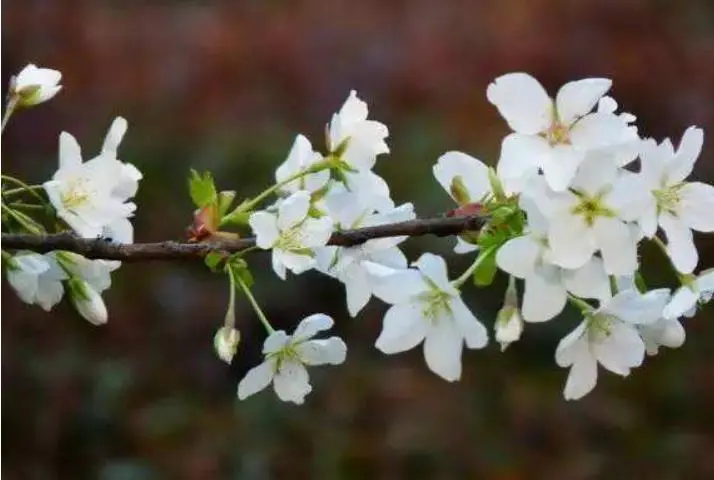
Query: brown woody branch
point(172, 250)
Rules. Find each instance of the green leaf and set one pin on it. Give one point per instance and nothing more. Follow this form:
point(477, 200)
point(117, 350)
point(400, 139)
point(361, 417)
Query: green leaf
point(215, 261)
point(486, 271)
point(202, 189)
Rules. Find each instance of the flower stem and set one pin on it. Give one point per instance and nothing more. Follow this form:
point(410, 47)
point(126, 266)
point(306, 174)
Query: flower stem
point(230, 320)
point(23, 187)
point(613, 285)
point(26, 222)
point(261, 316)
point(483, 255)
point(582, 305)
point(9, 109)
point(317, 167)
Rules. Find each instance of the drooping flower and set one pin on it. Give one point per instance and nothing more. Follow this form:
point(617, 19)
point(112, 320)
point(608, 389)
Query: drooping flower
point(678, 207)
point(286, 357)
point(87, 301)
point(554, 136)
point(427, 308)
point(87, 280)
point(291, 233)
point(509, 324)
point(225, 342)
point(608, 336)
point(357, 139)
point(35, 85)
point(347, 264)
point(92, 196)
point(695, 290)
point(300, 158)
point(36, 278)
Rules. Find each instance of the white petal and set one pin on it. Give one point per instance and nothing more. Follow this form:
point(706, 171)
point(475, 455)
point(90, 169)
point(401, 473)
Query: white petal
point(582, 377)
point(474, 333)
point(358, 291)
point(571, 242)
point(255, 380)
point(292, 382)
point(522, 101)
point(618, 247)
point(542, 300)
point(596, 173)
point(559, 166)
point(442, 349)
point(599, 130)
point(689, 149)
point(49, 293)
point(696, 206)
point(632, 307)
point(24, 283)
point(520, 157)
point(434, 268)
point(389, 257)
point(278, 265)
point(315, 232)
point(293, 209)
point(276, 341)
point(472, 172)
point(403, 329)
point(463, 247)
point(680, 244)
point(621, 350)
point(518, 256)
point(683, 300)
point(588, 281)
point(394, 286)
point(265, 228)
point(310, 326)
point(70, 153)
point(578, 98)
point(297, 262)
point(114, 136)
point(330, 351)
point(571, 345)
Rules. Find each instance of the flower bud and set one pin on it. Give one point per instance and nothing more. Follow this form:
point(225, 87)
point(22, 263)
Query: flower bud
point(509, 324)
point(226, 343)
point(35, 85)
point(87, 301)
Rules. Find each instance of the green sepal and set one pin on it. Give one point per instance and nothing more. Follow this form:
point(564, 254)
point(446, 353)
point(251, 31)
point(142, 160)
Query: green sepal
point(225, 200)
point(459, 191)
point(240, 269)
point(215, 261)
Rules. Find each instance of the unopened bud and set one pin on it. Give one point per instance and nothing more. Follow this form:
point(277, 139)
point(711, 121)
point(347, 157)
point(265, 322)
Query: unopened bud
point(88, 302)
point(226, 343)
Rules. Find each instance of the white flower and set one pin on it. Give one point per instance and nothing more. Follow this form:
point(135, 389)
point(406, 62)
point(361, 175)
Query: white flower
point(592, 217)
point(35, 85)
point(291, 233)
point(301, 157)
point(608, 336)
point(225, 342)
point(547, 285)
point(365, 138)
point(552, 135)
point(87, 301)
point(675, 205)
point(695, 290)
point(287, 356)
point(347, 264)
point(465, 179)
point(92, 196)
point(370, 190)
point(427, 308)
point(37, 279)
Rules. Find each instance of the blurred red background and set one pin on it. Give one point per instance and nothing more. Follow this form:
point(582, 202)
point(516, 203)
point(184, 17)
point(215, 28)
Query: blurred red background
point(225, 85)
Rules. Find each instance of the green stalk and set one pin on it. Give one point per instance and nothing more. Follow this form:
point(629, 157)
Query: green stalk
point(261, 316)
point(469, 271)
point(9, 109)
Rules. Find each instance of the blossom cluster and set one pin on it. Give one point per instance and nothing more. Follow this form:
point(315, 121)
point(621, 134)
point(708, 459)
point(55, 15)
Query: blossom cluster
point(91, 198)
point(576, 191)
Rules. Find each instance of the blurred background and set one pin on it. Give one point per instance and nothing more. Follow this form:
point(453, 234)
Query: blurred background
point(225, 86)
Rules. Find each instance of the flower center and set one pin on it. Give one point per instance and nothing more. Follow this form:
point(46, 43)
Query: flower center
point(590, 208)
point(557, 134)
point(668, 198)
point(434, 303)
point(78, 193)
point(291, 240)
point(600, 327)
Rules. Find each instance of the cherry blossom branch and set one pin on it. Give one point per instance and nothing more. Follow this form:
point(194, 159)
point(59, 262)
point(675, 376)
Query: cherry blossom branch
point(173, 250)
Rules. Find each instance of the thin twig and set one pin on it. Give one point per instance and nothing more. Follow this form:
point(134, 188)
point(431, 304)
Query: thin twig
point(171, 250)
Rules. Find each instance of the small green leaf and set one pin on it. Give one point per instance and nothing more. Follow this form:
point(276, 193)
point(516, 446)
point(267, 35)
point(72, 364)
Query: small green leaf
point(215, 261)
point(486, 271)
point(202, 189)
point(225, 200)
